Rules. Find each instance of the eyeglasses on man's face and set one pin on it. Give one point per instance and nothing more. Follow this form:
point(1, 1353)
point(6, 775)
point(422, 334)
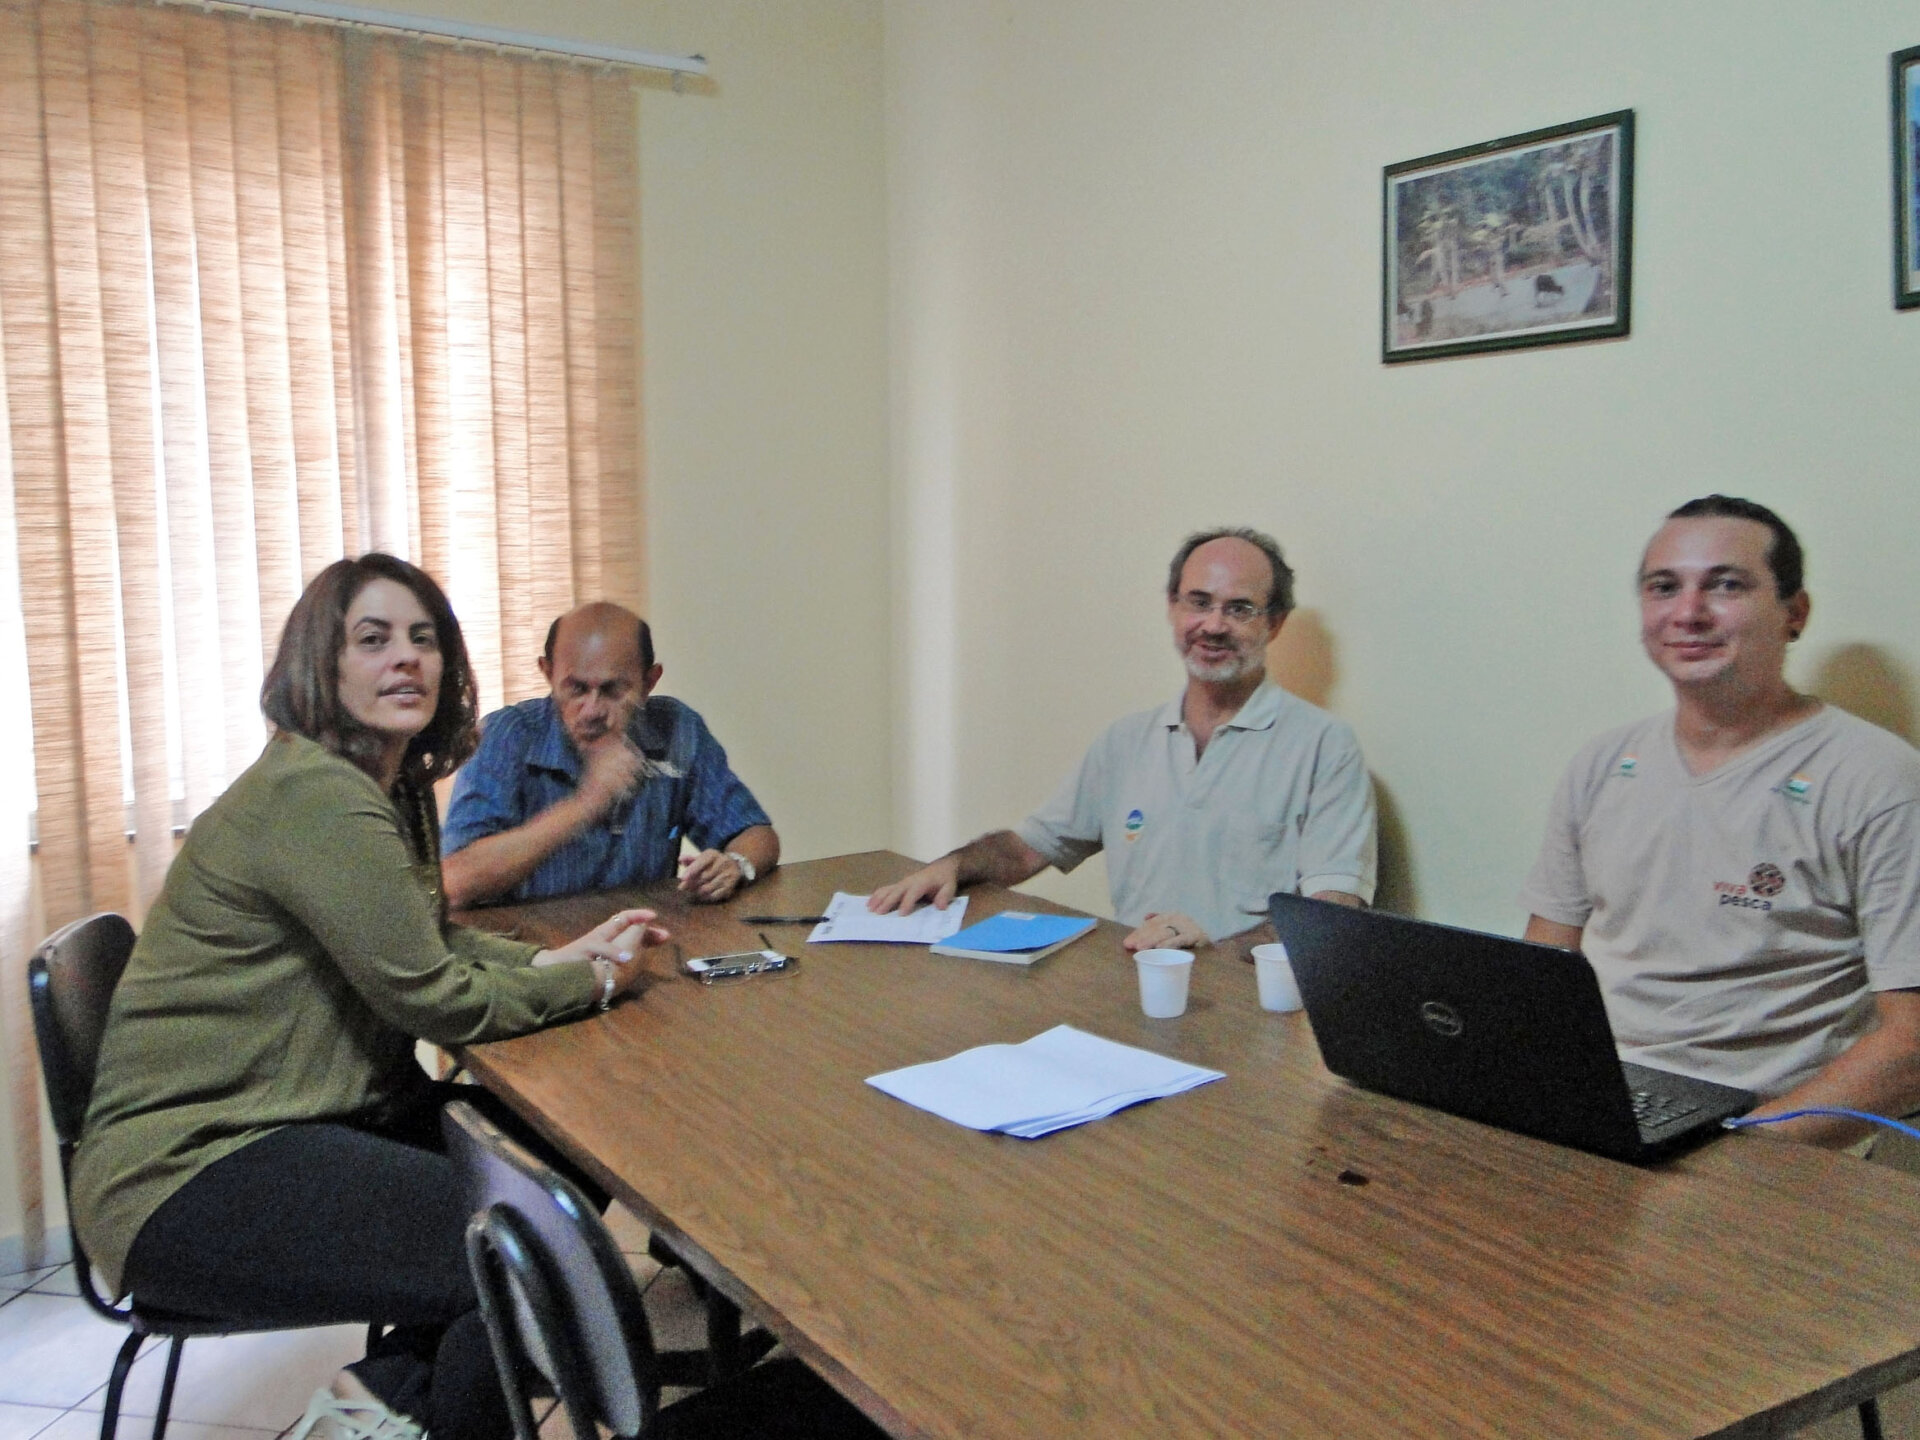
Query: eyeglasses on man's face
point(1235, 612)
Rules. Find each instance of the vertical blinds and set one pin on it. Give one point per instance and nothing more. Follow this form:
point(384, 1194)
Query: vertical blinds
point(270, 294)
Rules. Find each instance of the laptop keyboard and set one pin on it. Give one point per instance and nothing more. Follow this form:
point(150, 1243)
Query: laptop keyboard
point(1653, 1111)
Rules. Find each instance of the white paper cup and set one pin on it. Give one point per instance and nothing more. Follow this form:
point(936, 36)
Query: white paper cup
point(1163, 981)
point(1277, 988)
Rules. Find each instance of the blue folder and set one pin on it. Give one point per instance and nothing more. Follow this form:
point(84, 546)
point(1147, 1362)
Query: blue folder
point(1015, 936)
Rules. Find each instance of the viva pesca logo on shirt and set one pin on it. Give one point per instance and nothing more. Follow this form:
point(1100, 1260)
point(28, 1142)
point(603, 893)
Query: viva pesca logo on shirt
point(1135, 823)
point(1797, 787)
point(1764, 881)
point(1628, 767)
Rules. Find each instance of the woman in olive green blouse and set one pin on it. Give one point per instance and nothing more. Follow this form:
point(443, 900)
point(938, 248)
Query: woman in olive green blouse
point(261, 1144)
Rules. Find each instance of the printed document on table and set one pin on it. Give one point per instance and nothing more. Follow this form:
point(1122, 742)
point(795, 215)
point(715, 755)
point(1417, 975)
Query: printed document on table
point(849, 919)
point(1058, 1078)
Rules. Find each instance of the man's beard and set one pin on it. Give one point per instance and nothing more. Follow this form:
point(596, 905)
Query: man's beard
point(1237, 666)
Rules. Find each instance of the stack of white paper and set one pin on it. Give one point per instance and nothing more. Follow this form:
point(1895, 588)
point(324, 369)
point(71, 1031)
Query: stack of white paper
point(1060, 1078)
point(849, 919)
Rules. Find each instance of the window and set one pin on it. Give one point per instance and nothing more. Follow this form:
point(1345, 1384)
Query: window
point(271, 293)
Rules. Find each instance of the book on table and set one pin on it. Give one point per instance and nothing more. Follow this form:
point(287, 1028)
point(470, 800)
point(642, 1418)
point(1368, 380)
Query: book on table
point(1015, 937)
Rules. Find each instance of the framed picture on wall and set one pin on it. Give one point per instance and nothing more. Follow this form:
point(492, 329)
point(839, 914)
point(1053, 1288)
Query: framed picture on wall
point(1906, 183)
point(1526, 240)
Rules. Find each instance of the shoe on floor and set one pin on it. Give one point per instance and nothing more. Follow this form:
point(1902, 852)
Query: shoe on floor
point(329, 1417)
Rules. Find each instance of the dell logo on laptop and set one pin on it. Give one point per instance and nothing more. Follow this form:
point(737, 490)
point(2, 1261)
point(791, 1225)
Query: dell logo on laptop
point(1441, 1018)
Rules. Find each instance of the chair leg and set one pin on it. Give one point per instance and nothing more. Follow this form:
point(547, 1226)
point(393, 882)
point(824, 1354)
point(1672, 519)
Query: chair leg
point(122, 1363)
point(1870, 1420)
point(723, 1335)
point(730, 1351)
point(166, 1387)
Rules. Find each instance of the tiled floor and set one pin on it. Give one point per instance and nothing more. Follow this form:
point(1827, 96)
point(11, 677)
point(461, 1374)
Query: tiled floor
point(55, 1355)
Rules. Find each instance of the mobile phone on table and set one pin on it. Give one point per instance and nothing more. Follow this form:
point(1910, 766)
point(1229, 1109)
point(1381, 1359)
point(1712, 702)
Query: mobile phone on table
point(737, 965)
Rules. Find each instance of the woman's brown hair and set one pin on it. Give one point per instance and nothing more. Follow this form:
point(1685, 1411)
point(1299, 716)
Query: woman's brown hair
point(302, 690)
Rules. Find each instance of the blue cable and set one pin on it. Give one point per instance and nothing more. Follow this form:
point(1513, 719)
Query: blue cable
point(1741, 1122)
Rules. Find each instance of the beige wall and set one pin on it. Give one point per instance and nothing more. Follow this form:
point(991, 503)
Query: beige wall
point(763, 279)
point(764, 288)
point(1136, 271)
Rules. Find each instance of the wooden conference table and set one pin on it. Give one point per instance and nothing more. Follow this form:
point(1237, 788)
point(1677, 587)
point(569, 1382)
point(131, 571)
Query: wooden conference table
point(1275, 1254)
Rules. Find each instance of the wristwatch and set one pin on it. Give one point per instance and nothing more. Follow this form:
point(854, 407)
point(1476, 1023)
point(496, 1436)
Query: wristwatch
point(603, 971)
point(747, 873)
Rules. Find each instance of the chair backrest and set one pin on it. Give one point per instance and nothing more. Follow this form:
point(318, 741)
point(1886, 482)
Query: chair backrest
point(70, 981)
point(555, 1290)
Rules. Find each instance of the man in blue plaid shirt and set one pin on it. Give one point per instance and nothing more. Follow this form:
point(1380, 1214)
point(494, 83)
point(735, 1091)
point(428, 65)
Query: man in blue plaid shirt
point(596, 784)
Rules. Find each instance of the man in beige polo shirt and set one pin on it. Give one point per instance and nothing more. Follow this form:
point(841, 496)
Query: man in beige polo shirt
point(1207, 805)
point(1743, 871)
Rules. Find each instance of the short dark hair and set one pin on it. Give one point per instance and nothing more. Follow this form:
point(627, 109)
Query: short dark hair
point(302, 690)
point(1784, 556)
point(646, 643)
point(1279, 598)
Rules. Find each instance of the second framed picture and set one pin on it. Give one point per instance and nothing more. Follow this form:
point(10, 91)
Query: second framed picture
point(1525, 240)
point(1906, 178)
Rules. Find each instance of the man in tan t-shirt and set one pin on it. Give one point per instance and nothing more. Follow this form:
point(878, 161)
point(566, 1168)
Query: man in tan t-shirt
point(1743, 871)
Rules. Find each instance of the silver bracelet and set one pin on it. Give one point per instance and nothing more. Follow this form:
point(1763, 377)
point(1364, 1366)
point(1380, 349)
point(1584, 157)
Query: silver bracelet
point(604, 970)
point(747, 873)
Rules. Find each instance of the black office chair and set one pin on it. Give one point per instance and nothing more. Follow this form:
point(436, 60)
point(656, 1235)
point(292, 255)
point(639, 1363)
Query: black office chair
point(70, 982)
point(563, 1310)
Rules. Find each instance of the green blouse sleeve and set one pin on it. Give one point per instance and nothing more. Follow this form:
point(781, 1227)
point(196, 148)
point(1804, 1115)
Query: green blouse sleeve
point(340, 864)
point(483, 946)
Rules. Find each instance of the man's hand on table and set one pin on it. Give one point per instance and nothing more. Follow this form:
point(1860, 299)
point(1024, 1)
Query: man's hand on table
point(711, 876)
point(1166, 930)
point(999, 858)
point(938, 882)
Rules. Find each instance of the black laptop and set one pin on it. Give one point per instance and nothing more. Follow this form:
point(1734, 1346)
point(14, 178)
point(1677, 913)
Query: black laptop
point(1497, 1030)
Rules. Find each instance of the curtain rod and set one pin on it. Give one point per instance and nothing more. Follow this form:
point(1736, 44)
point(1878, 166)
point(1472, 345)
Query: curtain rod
point(460, 30)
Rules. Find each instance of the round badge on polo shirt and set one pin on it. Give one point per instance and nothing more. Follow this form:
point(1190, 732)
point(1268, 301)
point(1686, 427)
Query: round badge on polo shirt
point(1136, 822)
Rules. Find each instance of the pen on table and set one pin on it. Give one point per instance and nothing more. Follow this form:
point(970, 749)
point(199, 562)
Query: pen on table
point(783, 919)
